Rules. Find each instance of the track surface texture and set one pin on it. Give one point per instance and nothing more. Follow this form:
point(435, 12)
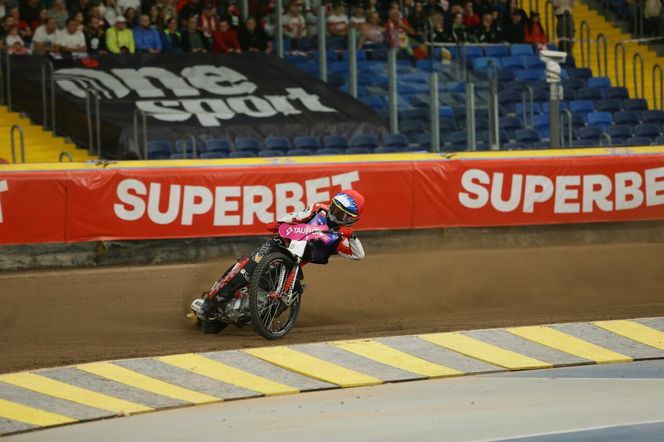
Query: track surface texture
point(54, 318)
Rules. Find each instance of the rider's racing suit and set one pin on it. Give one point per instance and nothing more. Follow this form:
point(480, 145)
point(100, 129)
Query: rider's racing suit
point(318, 252)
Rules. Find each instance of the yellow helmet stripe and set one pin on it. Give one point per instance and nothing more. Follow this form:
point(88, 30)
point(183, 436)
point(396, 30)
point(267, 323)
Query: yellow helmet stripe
point(343, 209)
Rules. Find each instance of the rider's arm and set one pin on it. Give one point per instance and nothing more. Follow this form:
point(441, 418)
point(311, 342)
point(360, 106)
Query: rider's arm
point(351, 248)
point(303, 215)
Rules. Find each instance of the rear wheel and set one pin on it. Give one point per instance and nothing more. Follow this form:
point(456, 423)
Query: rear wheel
point(270, 316)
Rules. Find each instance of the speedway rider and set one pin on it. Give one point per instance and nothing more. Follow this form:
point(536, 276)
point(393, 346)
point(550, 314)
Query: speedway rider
point(343, 211)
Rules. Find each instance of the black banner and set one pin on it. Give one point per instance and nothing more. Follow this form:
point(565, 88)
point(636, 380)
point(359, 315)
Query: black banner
point(204, 95)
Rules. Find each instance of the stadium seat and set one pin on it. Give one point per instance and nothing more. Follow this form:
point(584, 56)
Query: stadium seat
point(530, 74)
point(358, 151)
point(589, 94)
point(647, 130)
point(599, 82)
point(527, 136)
point(599, 119)
point(218, 145)
point(300, 152)
point(583, 73)
point(512, 63)
point(373, 101)
point(242, 154)
point(584, 143)
point(510, 123)
point(638, 141)
point(581, 106)
point(590, 133)
point(447, 125)
point(246, 144)
point(627, 118)
point(306, 143)
point(277, 143)
point(615, 93)
point(497, 51)
point(521, 49)
point(541, 145)
point(424, 141)
point(187, 145)
point(412, 128)
point(574, 83)
point(635, 104)
point(268, 153)
point(159, 148)
point(366, 141)
point(514, 146)
point(480, 64)
point(179, 156)
point(660, 140)
point(158, 155)
point(388, 149)
point(213, 155)
point(608, 105)
point(329, 151)
point(536, 109)
point(653, 116)
point(620, 132)
point(398, 141)
point(534, 62)
point(334, 142)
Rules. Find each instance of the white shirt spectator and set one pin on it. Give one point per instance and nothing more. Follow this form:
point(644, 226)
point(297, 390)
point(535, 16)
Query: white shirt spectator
point(110, 14)
point(11, 40)
point(294, 27)
point(67, 40)
point(357, 21)
point(43, 37)
point(338, 23)
point(126, 4)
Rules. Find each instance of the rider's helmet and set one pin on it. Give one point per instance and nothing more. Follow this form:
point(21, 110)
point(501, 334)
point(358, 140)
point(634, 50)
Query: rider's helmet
point(346, 208)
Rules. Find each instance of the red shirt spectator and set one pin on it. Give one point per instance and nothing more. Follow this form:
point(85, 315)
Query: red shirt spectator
point(534, 32)
point(209, 23)
point(470, 19)
point(225, 39)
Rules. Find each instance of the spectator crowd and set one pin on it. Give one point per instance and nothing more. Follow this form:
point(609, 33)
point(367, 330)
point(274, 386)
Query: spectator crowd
point(62, 27)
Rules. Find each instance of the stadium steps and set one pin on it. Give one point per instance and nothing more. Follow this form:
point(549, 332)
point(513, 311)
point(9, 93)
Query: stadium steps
point(40, 145)
point(599, 24)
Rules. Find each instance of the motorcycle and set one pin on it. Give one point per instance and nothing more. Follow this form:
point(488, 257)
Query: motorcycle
point(271, 300)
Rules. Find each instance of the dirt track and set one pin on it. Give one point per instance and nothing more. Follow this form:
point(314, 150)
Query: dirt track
point(63, 317)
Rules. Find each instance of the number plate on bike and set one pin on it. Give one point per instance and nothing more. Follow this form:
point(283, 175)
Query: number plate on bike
point(297, 248)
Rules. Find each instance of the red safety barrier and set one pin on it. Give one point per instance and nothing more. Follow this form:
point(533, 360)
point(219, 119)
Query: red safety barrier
point(229, 201)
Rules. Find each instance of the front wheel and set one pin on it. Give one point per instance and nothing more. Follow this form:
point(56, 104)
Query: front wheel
point(270, 316)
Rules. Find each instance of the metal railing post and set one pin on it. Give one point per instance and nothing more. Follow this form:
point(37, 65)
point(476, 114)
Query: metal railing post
point(555, 95)
point(279, 8)
point(63, 155)
point(658, 68)
point(322, 44)
point(585, 44)
point(393, 99)
point(624, 64)
point(434, 105)
point(570, 133)
point(352, 62)
point(607, 137)
point(549, 19)
point(494, 128)
point(144, 125)
point(48, 66)
point(244, 10)
point(601, 41)
point(12, 131)
point(193, 146)
point(470, 116)
point(638, 56)
point(91, 92)
point(2, 80)
point(525, 109)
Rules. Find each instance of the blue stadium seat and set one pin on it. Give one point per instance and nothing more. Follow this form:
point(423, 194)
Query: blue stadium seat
point(534, 62)
point(638, 141)
point(510, 123)
point(447, 125)
point(335, 142)
point(599, 82)
point(546, 109)
point(480, 64)
point(584, 143)
point(581, 106)
point(574, 83)
point(247, 144)
point(514, 146)
point(306, 143)
point(179, 156)
point(329, 151)
point(424, 141)
point(521, 49)
point(373, 101)
point(242, 154)
point(647, 130)
point(530, 75)
point(388, 149)
point(583, 73)
point(541, 121)
point(589, 94)
point(635, 104)
point(536, 109)
point(159, 148)
point(620, 132)
point(358, 151)
point(187, 145)
point(660, 140)
point(412, 128)
point(481, 124)
point(542, 145)
point(218, 145)
point(277, 143)
point(653, 116)
point(300, 152)
point(599, 119)
point(608, 105)
point(541, 95)
point(615, 93)
point(627, 117)
point(213, 155)
point(368, 141)
point(512, 63)
point(527, 136)
point(590, 133)
point(497, 51)
point(159, 155)
point(446, 112)
point(268, 153)
point(395, 140)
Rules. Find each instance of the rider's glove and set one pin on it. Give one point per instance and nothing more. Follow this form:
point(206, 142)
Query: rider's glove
point(346, 232)
point(273, 226)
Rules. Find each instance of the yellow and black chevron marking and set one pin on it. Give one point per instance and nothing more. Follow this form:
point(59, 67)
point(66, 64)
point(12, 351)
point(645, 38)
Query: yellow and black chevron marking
point(58, 396)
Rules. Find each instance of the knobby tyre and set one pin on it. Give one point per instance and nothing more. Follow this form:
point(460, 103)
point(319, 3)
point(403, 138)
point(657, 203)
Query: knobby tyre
point(270, 316)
